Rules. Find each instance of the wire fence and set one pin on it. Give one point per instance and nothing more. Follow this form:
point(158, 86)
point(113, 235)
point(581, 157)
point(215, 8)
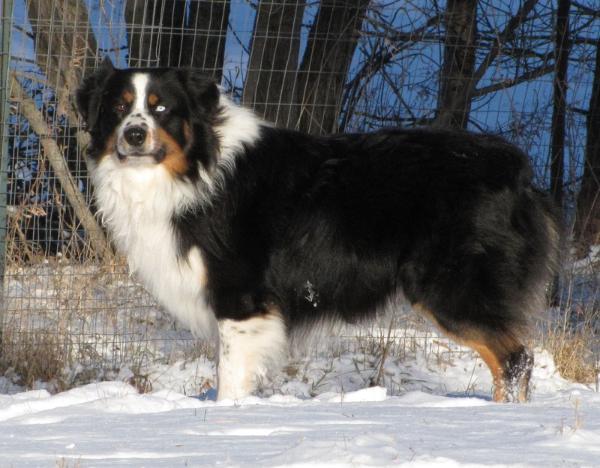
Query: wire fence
point(68, 302)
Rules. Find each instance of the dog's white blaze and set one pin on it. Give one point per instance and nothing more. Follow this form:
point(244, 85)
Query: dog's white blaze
point(140, 86)
point(247, 350)
point(137, 203)
point(139, 111)
point(138, 116)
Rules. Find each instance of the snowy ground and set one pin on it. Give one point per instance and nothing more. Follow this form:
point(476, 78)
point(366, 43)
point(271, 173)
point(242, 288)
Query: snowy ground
point(440, 415)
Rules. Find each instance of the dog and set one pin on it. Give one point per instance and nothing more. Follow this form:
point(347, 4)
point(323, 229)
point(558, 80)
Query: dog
point(255, 232)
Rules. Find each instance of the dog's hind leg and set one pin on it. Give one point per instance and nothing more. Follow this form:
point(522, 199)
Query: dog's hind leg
point(247, 350)
point(508, 359)
point(518, 374)
point(510, 363)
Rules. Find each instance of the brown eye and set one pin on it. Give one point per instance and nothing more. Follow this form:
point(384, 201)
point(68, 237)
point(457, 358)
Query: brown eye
point(120, 108)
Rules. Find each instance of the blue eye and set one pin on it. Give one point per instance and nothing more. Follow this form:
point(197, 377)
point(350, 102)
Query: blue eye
point(160, 108)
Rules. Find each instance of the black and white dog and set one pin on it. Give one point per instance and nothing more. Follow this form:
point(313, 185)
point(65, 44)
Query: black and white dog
point(256, 231)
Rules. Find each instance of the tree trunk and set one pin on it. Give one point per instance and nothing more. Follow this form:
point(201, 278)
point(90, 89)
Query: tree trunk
point(65, 47)
point(456, 79)
point(587, 223)
point(172, 35)
point(331, 44)
point(557, 146)
point(167, 34)
point(269, 86)
point(206, 50)
point(143, 19)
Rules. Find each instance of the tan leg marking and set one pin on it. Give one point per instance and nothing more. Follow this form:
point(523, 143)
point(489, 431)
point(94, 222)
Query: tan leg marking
point(492, 351)
point(495, 365)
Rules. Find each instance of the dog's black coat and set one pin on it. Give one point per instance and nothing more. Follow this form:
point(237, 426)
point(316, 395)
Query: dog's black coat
point(337, 227)
point(449, 218)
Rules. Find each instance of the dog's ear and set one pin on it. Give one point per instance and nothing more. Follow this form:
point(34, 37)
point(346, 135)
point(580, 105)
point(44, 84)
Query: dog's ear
point(202, 89)
point(89, 94)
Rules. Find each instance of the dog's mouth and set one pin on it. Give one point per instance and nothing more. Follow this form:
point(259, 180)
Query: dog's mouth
point(141, 157)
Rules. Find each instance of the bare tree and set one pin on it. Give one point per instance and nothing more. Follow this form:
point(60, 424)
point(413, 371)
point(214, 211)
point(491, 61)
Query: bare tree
point(457, 73)
point(206, 35)
point(557, 145)
point(272, 70)
point(459, 79)
point(178, 33)
point(322, 75)
point(587, 223)
point(382, 56)
point(501, 39)
point(143, 19)
point(62, 53)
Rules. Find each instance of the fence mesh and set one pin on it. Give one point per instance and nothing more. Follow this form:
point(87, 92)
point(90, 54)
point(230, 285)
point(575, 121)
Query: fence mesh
point(319, 66)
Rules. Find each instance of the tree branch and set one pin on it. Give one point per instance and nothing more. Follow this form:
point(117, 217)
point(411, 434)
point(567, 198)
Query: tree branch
point(586, 9)
point(530, 75)
point(506, 35)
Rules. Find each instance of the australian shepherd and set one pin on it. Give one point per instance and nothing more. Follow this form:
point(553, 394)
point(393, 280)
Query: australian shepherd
point(254, 231)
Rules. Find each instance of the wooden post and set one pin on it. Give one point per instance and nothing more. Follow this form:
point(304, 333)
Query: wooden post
point(6, 9)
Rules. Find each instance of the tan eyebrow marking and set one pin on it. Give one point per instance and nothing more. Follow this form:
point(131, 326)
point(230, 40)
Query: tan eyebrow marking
point(128, 97)
point(153, 99)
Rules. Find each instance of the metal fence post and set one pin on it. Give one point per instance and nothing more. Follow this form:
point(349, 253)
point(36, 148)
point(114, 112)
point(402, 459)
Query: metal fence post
point(6, 9)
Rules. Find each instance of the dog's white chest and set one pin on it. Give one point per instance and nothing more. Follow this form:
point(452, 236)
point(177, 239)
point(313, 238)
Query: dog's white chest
point(137, 205)
point(178, 284)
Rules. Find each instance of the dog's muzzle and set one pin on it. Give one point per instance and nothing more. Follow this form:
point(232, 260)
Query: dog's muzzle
point(137, 141)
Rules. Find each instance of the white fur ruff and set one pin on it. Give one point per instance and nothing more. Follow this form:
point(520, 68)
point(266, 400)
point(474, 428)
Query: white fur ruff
point(137, 202)
point(240, 127)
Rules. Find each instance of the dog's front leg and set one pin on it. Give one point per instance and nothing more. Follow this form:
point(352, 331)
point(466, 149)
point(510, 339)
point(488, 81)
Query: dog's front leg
point(247, 349)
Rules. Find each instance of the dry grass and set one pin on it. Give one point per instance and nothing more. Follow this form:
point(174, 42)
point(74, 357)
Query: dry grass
point(33, 357)
point(573, 333)
point(67, 463)
point(573, 358)
point(574, 353)
point(68, 325)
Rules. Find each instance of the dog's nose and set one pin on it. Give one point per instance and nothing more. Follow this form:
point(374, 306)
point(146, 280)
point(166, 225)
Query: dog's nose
point(135, 136)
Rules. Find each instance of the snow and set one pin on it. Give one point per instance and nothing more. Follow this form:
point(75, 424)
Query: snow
point(438, 413)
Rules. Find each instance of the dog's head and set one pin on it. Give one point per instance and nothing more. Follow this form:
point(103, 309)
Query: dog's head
point(147, 117)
